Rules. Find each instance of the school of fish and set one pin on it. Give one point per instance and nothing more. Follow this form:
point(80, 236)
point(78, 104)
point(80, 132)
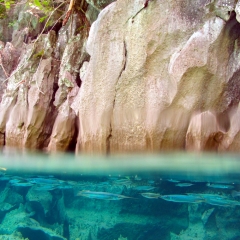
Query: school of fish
point(136, 186)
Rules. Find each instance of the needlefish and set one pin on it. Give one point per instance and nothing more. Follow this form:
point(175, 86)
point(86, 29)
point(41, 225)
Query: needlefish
point(221, 186)
point(101, 195)
point(143, 188)
point(183, 198)
point(184, 184)
point(150, 195)
point(215, 199)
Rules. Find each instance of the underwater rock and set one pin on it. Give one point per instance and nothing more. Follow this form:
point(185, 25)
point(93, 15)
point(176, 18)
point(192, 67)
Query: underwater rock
point(5, 208)
point(15, 236)
point(195, 231)
point(134, 231)
point(206, 215)
point(16, 218)
point(194, 213)
point(39, 233)
point(11, 197)
point(44, 198)
point(58, 212)
point(122, 238)
point(222, 224)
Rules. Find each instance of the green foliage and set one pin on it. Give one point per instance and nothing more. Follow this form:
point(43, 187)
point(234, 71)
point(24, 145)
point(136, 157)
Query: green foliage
point(12, 23)
point(6, 3)
point(37, 3)
point(38, 54)
point(44, 5)
point(42, 19)
point(2, 11)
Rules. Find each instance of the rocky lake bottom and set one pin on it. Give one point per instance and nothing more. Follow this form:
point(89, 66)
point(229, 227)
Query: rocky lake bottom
point(41, 204)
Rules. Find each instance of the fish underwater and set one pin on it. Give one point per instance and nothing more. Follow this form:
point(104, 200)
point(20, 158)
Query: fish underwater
point(150, 195)
point(44, 187)
point(173, 180)
point(208, 195)
point(220, 186)
point(222, 202)
point(184, 184)
point(235, 194)
point(41, 180)
point(101, 195)
point(13, 181)
point(22, 184)
point(123, 181)
point(183, 198)
point(217, 200)
point(143, 188)
point(137, 178)
point(64, 187)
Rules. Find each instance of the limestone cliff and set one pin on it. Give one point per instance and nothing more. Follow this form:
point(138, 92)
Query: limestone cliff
point(125, 76)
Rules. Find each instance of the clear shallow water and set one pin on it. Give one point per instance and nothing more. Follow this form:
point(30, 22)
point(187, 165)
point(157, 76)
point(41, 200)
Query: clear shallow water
point(169, 196)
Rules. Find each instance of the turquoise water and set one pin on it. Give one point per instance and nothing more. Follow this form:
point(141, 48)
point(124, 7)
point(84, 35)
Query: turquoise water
point(135, 197)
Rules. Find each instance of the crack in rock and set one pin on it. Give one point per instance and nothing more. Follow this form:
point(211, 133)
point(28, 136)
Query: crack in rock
point(120, 74)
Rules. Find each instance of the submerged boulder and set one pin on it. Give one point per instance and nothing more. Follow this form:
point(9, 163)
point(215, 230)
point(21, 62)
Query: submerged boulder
point(39, 200)
point(11, 197)
point(39, 233)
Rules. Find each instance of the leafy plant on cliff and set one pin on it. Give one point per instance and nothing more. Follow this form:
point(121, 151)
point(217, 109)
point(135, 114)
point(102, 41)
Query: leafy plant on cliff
point(2, 11)
point(45, 6)
point(38, 54)
point(45, 9)
point(6, 4)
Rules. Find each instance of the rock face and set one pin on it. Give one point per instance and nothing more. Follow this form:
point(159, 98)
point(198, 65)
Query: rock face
point(160, 65)
point(160, 76)
point(204, 132)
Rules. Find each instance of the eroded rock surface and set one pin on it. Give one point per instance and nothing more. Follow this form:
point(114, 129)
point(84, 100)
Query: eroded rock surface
point(204, 132)
point(149, 76)
point(26, 104)
point(160, 65)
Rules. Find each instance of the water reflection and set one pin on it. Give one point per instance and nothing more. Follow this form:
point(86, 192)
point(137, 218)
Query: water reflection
point(192, 166)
